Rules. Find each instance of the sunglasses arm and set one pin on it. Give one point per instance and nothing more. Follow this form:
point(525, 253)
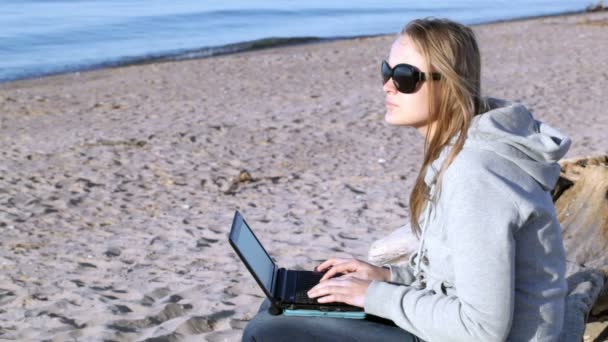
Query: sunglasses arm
point(434, 76)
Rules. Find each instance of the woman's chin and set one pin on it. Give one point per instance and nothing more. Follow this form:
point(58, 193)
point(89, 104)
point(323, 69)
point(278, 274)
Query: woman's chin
point(398, 119)
point(391, 119)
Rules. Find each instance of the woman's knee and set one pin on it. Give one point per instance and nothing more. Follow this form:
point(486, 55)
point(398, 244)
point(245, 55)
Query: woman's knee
point(259, 329)
point(250, 333)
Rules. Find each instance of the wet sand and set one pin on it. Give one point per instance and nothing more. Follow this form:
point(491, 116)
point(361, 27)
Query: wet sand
point(118, 186)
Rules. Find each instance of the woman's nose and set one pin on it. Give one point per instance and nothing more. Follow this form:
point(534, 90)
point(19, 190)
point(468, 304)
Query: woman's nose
point(389, 87)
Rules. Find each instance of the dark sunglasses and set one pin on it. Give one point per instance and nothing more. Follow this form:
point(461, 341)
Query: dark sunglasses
point(405, 77)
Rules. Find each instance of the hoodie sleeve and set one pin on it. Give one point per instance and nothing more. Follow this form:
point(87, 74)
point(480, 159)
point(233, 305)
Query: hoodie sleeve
point(480, 219)
point(401, 274)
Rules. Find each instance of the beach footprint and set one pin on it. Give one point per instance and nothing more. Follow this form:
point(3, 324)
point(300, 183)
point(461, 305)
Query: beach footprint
point(204, 324)
point(6, 296)
point(153, 296)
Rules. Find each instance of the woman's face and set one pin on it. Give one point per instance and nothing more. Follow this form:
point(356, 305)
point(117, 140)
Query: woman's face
point(406, 109)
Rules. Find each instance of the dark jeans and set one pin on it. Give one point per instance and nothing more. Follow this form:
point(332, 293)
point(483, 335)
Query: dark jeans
point(265, 327)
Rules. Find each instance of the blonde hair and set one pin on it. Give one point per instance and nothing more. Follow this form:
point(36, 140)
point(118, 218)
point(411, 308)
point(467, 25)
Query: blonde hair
point(450, 49)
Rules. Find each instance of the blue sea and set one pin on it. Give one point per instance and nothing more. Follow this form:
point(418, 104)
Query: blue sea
point(41, 37)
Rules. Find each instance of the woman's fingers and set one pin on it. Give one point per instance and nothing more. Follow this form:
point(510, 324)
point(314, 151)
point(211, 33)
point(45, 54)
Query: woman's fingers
point(331, 273)
point(344, 267)
point(333, 298)
point(325, 264)
point(329, 263)
point(349, 290)
point(333, 287)
point(349, 275)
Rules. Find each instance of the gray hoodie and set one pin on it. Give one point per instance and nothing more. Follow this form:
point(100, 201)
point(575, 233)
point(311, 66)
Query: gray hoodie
point(491, 262)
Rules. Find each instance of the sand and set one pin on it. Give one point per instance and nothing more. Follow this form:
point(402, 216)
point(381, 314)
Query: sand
point(118, 186)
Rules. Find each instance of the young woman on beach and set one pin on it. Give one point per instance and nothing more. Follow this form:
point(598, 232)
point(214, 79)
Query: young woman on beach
point(490, 264)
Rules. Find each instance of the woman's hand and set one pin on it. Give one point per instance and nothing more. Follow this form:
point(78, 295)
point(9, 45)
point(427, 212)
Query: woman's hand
point(353, 268)
point(345, 289)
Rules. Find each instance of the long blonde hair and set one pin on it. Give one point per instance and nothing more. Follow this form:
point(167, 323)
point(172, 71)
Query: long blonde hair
point(450, 49)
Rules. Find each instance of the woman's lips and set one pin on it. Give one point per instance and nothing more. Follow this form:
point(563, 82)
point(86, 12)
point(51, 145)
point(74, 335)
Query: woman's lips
point(390, 104)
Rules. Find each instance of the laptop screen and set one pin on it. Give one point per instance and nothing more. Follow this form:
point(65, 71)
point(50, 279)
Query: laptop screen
point(252, 252)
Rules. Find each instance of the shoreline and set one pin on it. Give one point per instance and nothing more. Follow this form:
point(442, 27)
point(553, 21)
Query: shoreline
point(246, 46)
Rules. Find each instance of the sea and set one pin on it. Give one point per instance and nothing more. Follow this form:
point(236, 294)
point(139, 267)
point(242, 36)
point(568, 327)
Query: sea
point(44, 37)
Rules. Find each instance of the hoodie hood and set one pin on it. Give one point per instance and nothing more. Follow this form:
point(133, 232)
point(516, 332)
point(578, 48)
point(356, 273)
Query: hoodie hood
point(509, 130)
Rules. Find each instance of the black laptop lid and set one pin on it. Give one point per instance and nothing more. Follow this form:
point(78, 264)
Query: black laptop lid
point(252, 253)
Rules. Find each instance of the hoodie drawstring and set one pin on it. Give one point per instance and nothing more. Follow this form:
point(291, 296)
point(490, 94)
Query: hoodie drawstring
point(427, 215)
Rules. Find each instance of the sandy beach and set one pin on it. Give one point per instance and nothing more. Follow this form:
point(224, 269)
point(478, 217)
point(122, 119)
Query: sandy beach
point(118, 186)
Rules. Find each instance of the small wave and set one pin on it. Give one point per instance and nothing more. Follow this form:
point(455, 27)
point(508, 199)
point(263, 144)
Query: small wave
point(204, 52)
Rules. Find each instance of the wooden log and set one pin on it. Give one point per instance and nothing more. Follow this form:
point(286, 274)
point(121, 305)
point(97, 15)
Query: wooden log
point(581, 203)
point(582, 210)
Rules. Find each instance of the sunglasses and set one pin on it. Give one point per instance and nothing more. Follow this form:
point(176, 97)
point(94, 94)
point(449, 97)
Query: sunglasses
point(405, 77)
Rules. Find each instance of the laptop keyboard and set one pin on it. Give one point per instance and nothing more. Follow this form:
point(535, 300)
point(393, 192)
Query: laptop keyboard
point(305, 282)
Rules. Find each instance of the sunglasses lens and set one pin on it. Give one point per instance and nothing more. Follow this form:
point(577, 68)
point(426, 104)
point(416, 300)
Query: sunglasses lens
point(386, 72)
point(404, 78)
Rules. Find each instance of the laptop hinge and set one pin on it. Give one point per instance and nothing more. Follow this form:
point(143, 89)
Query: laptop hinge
point(279, 284)
point(273, 283)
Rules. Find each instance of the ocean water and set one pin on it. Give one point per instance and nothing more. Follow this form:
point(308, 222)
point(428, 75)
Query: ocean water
point(41, 37)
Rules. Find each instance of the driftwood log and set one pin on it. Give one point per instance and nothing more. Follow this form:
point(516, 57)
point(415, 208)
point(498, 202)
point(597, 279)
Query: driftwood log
point(581, 203)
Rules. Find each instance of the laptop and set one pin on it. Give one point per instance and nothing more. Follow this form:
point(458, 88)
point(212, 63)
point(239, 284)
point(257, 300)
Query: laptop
point(286, 289)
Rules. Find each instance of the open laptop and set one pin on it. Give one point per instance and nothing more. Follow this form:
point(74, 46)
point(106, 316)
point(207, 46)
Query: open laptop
point(286, 289)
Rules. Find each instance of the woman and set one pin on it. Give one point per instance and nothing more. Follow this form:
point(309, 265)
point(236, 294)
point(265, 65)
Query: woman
point(490, 264)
